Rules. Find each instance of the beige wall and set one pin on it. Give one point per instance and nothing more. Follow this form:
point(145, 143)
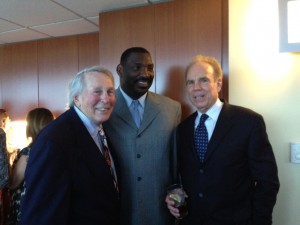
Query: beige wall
point(268, 82)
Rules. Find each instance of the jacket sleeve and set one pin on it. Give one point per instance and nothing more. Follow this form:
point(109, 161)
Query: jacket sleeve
point(264, 172)
point(47, 185)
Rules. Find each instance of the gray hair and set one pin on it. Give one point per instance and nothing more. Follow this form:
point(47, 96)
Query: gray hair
point(77, 85)
point(218, 73)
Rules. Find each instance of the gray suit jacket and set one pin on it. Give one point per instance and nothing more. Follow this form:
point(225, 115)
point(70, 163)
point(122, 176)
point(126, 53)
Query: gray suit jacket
point(146, 158)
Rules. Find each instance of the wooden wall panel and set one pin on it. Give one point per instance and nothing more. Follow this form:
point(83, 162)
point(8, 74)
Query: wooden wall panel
point(185, 29)
point(122, 29)
point(19, 83)
point(58, 63)
point(225, 43)
point(88, 50)
point(2, 73)
point(36, 74)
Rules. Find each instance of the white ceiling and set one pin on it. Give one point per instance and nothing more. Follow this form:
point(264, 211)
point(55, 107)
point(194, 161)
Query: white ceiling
point(25, 20)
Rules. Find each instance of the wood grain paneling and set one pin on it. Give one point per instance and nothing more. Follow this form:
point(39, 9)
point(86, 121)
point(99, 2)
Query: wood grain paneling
point(225, 45)
point(185, 29)
point(88, 50)
point(36, 74)
point(122, 29)
point(57, 65)
point(19, 83)
point(2, 72)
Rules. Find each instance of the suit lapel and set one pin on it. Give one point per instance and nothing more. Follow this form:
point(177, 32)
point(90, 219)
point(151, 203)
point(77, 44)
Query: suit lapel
point(190, 134)
point(151, 110)
point(223, 126)
point(122, 111)
point(87, 150)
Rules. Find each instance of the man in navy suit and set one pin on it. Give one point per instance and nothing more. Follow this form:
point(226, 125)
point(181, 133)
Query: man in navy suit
point(68, 181)
point(236, 183)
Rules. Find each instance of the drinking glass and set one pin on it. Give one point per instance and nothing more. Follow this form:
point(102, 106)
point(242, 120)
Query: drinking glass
point(177, 194)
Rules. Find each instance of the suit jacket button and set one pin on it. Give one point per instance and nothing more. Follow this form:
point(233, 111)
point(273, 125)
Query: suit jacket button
point(138, 156)
point(139, 179)
point(201, 170)
point(200, 195)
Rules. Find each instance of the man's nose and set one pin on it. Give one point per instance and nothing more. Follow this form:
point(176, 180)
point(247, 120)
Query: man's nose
point(197, 85)
point(104, 97)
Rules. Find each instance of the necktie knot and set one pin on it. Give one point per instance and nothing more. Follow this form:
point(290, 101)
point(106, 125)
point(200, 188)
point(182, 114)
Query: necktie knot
point(102, 137)
point(135, 103)
point(203, 118)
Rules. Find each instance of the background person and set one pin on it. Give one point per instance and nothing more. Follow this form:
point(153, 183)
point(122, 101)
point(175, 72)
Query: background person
point(4, 165)
point(4, 119)
point(36, 120)
point(68, 180)
point(145, 150)
point(236, 182)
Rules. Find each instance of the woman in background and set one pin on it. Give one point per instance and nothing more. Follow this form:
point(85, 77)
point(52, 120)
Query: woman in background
point(4, 166)
point(36, 120)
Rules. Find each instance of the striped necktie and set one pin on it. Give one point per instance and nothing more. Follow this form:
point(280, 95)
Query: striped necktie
point(105, 151)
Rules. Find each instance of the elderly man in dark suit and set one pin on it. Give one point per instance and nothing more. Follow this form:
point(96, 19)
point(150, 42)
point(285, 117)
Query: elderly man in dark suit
point(68, 180)
point(227, 165)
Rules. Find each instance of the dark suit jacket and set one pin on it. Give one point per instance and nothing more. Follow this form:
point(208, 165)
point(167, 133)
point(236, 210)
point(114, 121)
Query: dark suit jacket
point(67, 179)
point(237, 184)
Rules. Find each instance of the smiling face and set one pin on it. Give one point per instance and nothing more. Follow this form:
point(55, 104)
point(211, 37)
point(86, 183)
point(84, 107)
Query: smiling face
point(202, 86)
point(136, 74)
point(97, 99)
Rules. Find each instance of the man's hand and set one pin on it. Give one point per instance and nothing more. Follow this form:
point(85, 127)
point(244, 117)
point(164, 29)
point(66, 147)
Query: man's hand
point(173, 210)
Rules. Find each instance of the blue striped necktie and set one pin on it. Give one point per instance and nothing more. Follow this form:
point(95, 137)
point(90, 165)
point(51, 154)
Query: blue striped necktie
point(201, 138)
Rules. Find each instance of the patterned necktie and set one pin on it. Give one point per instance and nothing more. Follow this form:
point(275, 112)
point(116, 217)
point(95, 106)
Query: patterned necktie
point(105, 151)
point(135, 113)
point(201, 138)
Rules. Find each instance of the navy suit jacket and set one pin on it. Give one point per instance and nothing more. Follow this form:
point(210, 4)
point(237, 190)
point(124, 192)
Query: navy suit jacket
point(237, 183)
point(67, 179)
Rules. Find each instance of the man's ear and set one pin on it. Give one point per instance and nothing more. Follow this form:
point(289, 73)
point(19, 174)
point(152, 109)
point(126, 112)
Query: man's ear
point(119, 69)
point(219, 84)
point(76, 100)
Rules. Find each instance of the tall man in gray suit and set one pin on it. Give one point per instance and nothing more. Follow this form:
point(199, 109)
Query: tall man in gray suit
point(144, 149)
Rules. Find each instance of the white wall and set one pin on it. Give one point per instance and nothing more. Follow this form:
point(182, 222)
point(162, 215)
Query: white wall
point(267, 81)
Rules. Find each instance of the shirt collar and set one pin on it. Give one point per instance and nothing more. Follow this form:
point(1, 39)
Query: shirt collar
point(214, 111)
point(90, 125)
point(129, 100)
